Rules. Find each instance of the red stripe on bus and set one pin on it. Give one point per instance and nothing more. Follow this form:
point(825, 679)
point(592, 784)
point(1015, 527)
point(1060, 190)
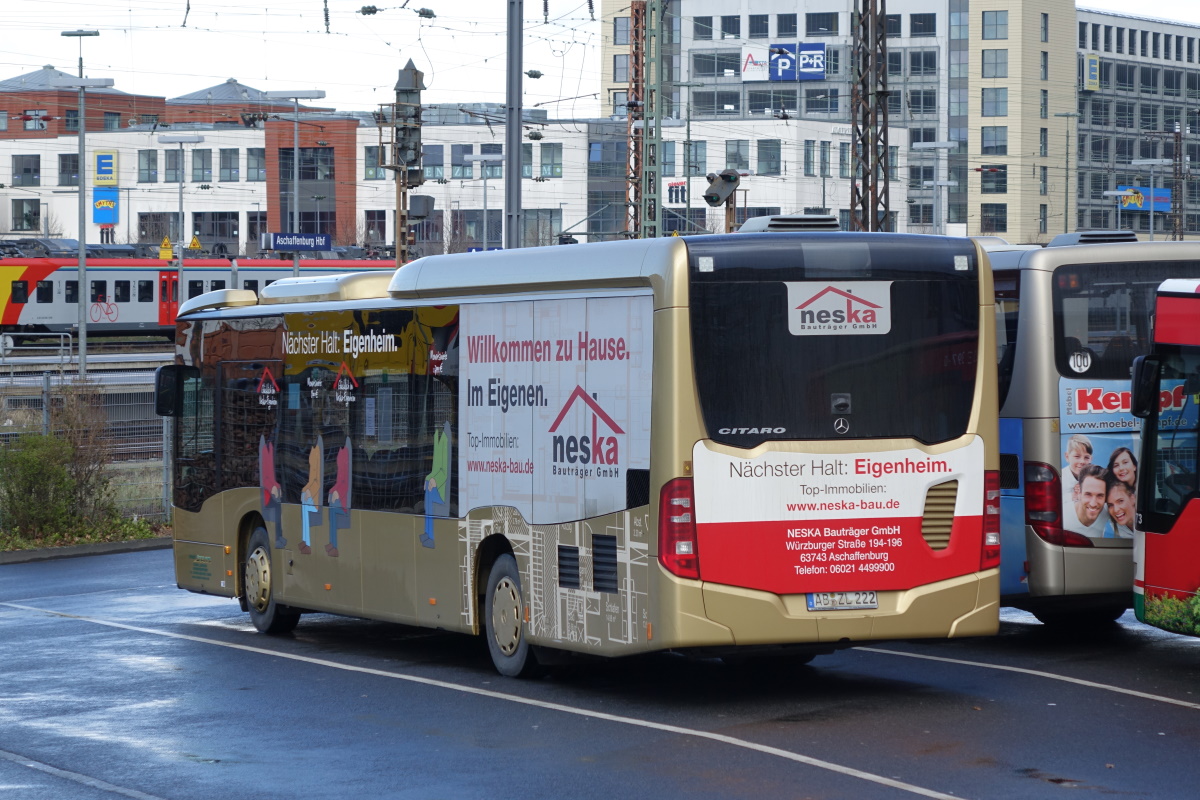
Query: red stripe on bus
point(1178, 320)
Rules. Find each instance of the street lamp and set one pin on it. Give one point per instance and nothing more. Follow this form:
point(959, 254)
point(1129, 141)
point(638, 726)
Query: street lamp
point(484, 160)
point(82, 84)
point(1118, 194)
point(1152, 163)
point(180, 139)
point(296, 95)
point(937, 196)
point(1067, 182)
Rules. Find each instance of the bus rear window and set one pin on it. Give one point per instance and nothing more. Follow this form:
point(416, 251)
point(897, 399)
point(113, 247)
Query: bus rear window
point(1102, 315)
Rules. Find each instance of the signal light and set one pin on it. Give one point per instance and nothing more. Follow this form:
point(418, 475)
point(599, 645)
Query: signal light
point(1044, 506)
point(721, 186)
point(677, 550)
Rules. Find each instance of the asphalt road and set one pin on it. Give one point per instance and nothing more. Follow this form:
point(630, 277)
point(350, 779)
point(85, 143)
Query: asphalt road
point(113, 683)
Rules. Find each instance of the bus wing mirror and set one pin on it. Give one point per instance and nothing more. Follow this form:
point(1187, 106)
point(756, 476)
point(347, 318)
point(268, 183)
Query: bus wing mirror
point(1144, 400)
point(168, 397)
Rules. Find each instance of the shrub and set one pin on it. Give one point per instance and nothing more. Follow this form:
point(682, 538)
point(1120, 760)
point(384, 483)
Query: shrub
point(37, 491)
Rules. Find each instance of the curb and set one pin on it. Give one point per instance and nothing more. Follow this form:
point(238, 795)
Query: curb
point(76, 550)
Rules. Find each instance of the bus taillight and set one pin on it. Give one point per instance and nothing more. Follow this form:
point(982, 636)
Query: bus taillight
point(677, 529)
point(1043, 506)
point(991, 520)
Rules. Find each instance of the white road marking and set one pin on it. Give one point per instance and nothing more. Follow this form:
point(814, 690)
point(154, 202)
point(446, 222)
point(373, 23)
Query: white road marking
point(565, 709)
point(86, 780)
point(1036, 673)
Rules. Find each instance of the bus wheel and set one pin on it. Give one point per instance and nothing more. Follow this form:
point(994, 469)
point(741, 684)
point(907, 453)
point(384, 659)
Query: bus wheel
point(258, 587)
point(503, 619)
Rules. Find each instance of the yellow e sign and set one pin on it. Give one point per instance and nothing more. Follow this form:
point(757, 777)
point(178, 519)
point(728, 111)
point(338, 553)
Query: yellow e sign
point(104, 168)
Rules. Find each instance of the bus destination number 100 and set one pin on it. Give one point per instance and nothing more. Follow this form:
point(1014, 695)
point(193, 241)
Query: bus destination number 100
point(839, 601)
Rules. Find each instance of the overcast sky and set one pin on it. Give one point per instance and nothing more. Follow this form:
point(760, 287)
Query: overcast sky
point(165, 47)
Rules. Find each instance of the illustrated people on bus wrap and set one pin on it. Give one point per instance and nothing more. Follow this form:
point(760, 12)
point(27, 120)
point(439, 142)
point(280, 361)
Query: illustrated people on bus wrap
point(1122, 466)
point(1087, 514)
point(271, 491)
point(338, 499)
point(436, 488)
point(310, 496)
point(1078, 455)
point(1121, 504)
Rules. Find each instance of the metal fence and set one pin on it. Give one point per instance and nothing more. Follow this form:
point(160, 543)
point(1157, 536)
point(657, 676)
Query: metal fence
point(132, 439)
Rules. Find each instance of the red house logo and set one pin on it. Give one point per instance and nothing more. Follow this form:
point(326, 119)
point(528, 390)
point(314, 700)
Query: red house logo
point(600, 446)
point(823, 309)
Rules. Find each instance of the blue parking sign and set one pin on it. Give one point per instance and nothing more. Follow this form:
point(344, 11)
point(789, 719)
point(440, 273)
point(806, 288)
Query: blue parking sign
point(783, 62)
point(810, 64)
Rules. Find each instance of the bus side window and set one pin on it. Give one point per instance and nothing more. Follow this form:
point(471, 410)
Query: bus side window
point(20, 292)
point(45, 291)
point(120, 291)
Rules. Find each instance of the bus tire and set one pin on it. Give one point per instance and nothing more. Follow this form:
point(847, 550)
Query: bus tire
point(504, 624)
point(258, 588)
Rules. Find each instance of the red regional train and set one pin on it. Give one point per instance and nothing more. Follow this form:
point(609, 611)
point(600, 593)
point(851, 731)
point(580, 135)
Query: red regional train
point(132, 295)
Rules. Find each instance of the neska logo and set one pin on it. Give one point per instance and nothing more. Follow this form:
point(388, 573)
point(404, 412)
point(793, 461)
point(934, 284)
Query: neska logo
point(595, 448)
point(856, 307)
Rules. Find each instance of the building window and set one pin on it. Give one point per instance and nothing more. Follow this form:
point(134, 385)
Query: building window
point(256, 163)
point(621, 68)
point(918, 174)
point(716, 64)
point(1099, 112)
point(1042, 208)
point(737, 154)
point(1149, 80)
point(825, 156)
point(810, 157)
point(201, 166)
point(821, 101)
point(844, 164)
point(173, 167)
point(1044, 104)
point(959, 24)
point(460, 168)
point(696, 158)
point(492, 169)
point(68, 169)
point(527, 160)
point(1043, 180)
point(833, 61)
point(923, 101)
point(785, 25)
point(147, 166)
point(433, 161)
point(551, 160)
point(372, 168)
point(1149, 117)
point(1044, 142)
point(1172, 83)
point(922, 25)
point(892, 26)
point(71, 119)
point(1045, 29)
point(666, 162)
point(702, 27)
point(759, 26)
point(26, 215)
point(1100, 148)
point(620, 102)
point(26, 170)
point(112, 120)
point(958, 102)
point(36, 119)
point(993, 179)
point(920, 213)
point(995, 25)
point(731, 27)
point(995, 102)
point(921, 135)
point(895, 63)
point(770, 161)
point(1125, 114)
point(230, 164)
point(1045, 66)
point(621, 30)
point(995, 63)
point(994, 140)
point(825, 24)
point(993, 217)
point(922, 62)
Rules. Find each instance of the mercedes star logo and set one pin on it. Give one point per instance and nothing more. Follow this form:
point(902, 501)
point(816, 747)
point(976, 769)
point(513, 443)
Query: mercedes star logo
point(841, 425)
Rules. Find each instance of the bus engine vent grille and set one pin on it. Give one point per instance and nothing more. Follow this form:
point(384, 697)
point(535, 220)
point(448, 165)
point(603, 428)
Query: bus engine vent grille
point(939, 514)
point(568, 567)
point(604, 563)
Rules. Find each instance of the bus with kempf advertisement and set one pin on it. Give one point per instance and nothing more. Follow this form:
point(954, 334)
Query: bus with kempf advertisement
point(726, 445)
point(1166, 388)
point(1071, 318)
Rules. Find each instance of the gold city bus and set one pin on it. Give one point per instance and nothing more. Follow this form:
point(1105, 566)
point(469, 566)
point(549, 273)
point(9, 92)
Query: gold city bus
point(721, 444)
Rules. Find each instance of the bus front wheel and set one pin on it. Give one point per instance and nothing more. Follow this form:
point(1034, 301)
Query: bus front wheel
point(259, 589)
point(503, 615)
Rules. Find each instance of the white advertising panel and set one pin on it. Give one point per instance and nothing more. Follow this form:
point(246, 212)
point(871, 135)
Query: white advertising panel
point(820, 308)
point(554, 405)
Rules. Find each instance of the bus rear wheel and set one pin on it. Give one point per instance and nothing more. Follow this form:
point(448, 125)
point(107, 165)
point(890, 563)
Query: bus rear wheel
point(258, 588)
point(504, 624)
